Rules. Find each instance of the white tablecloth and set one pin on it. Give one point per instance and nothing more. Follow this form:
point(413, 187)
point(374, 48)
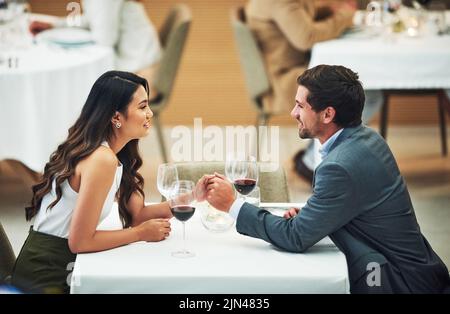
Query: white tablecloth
point(224, 263)
point(390, 61)
point(41, 98)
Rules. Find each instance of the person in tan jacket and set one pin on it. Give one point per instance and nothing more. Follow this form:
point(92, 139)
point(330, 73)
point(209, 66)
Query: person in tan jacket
point(286, 30)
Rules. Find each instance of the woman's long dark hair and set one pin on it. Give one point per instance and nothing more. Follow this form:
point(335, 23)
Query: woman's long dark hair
point(111, 93)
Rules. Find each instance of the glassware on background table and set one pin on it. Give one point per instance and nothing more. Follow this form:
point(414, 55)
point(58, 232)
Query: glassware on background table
point(436, 20)
point(167, 179)
point(374, 15)
point(413, 23)
point(181, 205)
point(14, 35)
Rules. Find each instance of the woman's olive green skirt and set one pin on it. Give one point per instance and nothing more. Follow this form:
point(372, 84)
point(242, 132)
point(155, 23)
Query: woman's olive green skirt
point(44, 264)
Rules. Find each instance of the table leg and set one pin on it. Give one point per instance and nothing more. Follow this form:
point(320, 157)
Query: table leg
point(444, 105)
point(384, 114)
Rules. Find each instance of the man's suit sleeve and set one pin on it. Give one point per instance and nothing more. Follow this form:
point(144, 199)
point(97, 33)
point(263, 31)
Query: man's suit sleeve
point(333, 204)
point(302, 30)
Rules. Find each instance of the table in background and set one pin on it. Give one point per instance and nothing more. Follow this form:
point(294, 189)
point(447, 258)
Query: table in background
point(42, 97)
point(395, 64)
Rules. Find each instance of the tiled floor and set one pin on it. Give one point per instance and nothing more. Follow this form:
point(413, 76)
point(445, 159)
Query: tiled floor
point(417, 150)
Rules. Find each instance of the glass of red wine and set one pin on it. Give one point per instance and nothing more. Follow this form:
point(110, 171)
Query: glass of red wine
point(244, 175)
point(181, 199)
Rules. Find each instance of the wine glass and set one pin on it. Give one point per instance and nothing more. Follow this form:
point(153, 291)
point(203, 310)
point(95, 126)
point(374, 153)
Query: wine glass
point(167, 179)
point(182, 209)
point(245, 175)
point(229, 165)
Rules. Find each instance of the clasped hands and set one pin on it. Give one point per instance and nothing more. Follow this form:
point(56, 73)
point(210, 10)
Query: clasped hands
point(219, 192)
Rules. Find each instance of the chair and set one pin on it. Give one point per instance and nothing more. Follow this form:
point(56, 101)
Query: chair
point(273, 185)
point(443, 105)
point(7, 257)
point(173, 36)
point(252, 64)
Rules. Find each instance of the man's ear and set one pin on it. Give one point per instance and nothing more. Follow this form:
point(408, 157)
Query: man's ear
point(328, 115)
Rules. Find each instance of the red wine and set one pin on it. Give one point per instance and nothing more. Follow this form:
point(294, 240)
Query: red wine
point(182, 212)
point(244, 186)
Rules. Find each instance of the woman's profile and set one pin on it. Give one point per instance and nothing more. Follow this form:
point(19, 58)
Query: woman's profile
point(96, 164)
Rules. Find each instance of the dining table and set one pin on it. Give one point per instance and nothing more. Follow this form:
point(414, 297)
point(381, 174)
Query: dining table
point(225, 262)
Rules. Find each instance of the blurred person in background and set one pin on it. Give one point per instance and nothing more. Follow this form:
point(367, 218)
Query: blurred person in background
point(123, 25)
point(286, 30)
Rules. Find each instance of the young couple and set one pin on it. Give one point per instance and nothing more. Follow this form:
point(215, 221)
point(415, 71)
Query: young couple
point(360, 199)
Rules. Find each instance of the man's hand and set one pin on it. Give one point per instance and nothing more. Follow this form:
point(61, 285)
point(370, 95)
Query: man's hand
point(291, 212)
point(200, 187)
point(153, 230)
point(220, 192)
point(37, 26)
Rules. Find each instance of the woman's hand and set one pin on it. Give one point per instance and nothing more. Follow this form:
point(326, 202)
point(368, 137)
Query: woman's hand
point(200, 187)
point(220, 192)
point(37, 26)
point(153, 230)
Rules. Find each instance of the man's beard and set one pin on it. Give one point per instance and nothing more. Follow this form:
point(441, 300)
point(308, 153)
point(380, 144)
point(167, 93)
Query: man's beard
point(304, 134)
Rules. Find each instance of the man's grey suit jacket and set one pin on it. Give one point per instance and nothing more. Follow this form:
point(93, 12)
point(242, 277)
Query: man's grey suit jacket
point(361, 201)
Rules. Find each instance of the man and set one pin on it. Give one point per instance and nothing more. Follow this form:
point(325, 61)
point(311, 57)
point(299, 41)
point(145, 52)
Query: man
point(286, 31)
point(359, 197)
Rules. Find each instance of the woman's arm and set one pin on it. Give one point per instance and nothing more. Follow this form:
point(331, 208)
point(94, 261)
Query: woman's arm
point(97, 174)
point(140, 213)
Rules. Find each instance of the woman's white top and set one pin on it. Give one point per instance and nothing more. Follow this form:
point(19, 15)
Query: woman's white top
point(56, 220)
point(125, 26)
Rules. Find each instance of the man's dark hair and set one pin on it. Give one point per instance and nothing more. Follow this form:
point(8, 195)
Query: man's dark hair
point(338, 87)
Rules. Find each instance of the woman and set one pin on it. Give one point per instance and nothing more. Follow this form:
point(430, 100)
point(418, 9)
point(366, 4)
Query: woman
point(97, 162)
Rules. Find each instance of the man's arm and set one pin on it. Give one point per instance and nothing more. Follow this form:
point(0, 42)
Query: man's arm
point(333, 204)
point(301, 29)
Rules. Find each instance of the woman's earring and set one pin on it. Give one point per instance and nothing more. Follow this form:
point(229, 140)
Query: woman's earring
point(118, 125)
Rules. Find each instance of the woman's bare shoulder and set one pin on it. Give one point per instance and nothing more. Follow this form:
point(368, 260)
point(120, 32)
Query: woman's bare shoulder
point(101, 158)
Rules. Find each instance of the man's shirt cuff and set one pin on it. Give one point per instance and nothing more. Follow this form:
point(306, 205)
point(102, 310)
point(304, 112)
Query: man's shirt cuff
point(236, 207)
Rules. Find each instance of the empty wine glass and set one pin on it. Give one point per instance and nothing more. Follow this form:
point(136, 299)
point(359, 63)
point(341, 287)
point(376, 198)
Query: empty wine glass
point(167, 179)
point(231, 157)
point(182, 209)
